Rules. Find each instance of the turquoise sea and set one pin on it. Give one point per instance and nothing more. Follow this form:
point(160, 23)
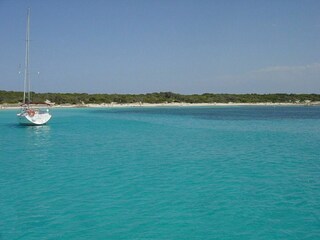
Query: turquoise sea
point(162, 173)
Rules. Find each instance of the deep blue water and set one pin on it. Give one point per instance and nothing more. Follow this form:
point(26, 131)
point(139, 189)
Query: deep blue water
point(162, 173)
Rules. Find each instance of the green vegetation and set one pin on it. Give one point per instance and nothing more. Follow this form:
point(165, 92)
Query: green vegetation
point(11, 97)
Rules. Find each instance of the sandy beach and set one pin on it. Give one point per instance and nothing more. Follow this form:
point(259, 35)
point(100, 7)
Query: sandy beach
point(118, 105)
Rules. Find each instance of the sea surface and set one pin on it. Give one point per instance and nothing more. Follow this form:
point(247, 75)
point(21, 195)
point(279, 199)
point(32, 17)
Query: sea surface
point(162, 173)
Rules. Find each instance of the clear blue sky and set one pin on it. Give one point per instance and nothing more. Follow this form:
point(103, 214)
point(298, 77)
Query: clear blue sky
point(100, 46)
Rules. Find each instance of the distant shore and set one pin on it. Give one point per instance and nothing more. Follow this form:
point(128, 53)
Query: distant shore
point(119, 105)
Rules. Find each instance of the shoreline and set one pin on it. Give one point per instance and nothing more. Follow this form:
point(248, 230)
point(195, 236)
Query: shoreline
point(119, 105)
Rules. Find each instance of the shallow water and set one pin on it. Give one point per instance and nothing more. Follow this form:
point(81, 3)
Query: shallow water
point(162, 173)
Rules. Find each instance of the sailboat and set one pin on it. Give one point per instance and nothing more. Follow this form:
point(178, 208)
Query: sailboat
point(30, 115)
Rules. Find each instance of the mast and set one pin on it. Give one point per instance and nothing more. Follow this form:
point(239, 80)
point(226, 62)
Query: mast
point(26, 87)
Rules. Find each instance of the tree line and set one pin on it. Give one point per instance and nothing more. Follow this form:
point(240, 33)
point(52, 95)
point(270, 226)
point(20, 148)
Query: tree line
point(13, 97)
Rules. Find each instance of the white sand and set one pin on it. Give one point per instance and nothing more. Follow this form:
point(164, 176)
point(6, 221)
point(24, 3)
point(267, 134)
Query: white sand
point(118, 105)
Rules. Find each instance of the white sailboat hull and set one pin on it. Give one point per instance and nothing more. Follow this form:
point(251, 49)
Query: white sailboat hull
point(36, 119)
